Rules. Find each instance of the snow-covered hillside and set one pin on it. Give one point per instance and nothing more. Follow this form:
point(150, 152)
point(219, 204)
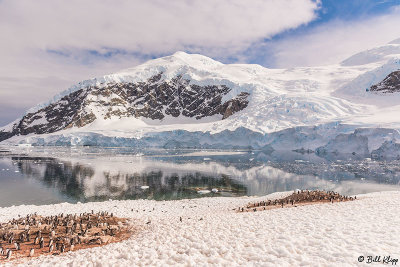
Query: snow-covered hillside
point(187, 100)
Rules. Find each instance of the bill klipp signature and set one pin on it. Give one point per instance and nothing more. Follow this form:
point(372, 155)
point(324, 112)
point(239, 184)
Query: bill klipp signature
point(381, 259)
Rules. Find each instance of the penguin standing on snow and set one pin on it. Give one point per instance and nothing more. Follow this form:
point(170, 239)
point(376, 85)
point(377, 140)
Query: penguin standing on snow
point(9, 252)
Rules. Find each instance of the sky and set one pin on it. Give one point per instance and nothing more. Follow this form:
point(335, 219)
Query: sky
point(49, 45)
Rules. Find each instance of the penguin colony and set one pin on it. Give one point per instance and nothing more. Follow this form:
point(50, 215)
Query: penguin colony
point(298, 197)
point(35, 235)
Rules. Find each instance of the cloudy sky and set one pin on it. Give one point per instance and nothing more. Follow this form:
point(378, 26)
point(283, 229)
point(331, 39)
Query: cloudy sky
point(48, 45)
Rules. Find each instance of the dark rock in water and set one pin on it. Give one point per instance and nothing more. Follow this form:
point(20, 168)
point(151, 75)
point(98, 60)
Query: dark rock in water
point(303, 151)
point(390, 84)
point(267, 149)
point(154, 99)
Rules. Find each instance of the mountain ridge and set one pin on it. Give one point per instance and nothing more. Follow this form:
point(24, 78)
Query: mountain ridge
point(195, 93)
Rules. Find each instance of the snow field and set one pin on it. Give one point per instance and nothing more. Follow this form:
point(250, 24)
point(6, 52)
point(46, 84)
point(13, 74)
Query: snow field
point(212, 234)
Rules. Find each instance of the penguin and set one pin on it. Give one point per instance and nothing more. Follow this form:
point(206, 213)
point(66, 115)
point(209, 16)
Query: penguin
point(51, 248)
point(62, 249)
point(36, 241)
point(51, 242)
point(31, 252)
point(9, 252)
point(17, 246)
point(180, 219)
point(72, 247)
point(1, 251)
point(22, 237)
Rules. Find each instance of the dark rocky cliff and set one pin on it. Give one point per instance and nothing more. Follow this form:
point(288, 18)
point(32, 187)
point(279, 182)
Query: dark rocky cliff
point(155, 99)
point(390, 84)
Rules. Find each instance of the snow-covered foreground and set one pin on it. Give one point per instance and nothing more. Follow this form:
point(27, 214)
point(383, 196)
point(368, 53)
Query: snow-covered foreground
point(211, 233)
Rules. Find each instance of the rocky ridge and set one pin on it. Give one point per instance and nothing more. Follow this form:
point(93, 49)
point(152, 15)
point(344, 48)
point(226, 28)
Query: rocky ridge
point(390, 84)
point(155, 99)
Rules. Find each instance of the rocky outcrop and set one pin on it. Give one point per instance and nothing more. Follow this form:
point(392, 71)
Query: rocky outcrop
point(390, 84)
point(234, 105)
point(155, 98)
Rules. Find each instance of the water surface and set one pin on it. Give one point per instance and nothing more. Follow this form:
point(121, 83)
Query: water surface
point(54, 175)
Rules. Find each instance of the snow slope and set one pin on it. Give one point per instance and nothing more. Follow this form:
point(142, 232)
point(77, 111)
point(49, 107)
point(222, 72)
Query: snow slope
point(211, 233)
point(279, 100)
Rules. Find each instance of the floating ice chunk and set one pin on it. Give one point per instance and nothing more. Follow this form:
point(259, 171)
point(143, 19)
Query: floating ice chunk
point(214, 190)
point(202, 192)
point(144, 187)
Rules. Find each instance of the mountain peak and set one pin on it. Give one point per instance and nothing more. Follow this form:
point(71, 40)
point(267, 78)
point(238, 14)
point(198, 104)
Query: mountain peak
point(183, 58)
point(378, 54)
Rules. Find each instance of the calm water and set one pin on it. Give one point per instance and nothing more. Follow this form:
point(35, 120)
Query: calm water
point(53, 175)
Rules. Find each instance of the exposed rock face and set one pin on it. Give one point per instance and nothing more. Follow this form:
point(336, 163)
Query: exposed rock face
point(390, 84)
point(234, 105)
point(154, 99)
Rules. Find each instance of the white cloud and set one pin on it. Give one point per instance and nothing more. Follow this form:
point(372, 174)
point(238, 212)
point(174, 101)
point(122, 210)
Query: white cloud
point(335, 41)
point(46, 44)
point(149, 26)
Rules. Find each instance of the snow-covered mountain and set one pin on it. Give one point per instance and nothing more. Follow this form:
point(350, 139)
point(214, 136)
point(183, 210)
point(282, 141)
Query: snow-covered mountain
point(188, 100)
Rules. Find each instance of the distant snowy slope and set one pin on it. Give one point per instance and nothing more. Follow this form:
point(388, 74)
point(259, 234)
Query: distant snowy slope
point(374, 55)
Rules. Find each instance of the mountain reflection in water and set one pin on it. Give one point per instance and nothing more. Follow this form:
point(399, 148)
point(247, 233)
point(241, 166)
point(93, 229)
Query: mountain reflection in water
point(172, 175)
point(90, 183)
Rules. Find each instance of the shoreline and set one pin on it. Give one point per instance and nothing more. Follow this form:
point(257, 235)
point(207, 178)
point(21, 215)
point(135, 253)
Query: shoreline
point(211, 232)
